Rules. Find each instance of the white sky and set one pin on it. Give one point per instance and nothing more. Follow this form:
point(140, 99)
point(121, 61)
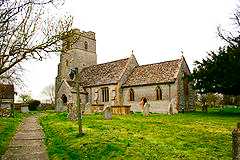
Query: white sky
point(157, 30)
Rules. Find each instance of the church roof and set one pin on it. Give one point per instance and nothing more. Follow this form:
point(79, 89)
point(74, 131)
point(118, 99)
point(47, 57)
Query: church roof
point(163, 72)
point(103, 74)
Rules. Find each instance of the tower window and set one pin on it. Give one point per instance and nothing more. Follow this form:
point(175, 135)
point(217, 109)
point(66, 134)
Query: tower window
point(67, 63)
point(85, 45)
point(105, 94)
point(158, 93)
point(131, 94)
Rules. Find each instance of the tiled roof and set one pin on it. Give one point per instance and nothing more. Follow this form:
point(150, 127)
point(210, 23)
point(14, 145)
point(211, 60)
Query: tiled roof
point(154, 73)
point(6, 91)
point(102, 74)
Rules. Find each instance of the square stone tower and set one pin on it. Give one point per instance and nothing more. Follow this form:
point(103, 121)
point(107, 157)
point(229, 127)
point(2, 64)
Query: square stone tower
point(81, 54)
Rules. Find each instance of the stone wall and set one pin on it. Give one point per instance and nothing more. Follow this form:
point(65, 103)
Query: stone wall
point(184, 102)
point(92, 94)
point(64, 89)
point(78, 56)
point(169, 92)
point(132, 63)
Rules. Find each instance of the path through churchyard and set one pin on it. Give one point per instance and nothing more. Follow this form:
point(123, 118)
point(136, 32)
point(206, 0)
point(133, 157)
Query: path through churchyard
point(27, 142)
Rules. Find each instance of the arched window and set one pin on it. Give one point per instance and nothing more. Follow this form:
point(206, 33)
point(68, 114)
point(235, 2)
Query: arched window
point(85, 45)
point(131, 94)
point(158, 93)
point(105, 94)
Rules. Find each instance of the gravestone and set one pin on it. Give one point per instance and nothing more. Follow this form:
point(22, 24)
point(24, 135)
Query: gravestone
point(146, 109)
point(172, 106)
point(107, 112)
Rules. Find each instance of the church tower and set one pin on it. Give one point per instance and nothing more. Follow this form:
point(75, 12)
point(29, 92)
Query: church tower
point(81, 54)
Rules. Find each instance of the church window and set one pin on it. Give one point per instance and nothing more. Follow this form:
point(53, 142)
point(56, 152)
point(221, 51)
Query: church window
point(85, 45)
point(105, 94)
point(131, 94)
point(158, 93)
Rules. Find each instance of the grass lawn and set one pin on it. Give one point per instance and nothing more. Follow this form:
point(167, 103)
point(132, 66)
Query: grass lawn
point(7, 130)
point(182, 136)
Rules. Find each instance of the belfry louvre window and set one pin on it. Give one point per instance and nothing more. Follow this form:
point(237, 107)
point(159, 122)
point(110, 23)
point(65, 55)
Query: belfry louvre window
point(131, 95)
point(85, 45)
point(158, 93)
point(105, 94)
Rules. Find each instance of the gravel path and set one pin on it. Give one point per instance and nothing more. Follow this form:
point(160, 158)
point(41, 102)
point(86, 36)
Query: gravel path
point(27, 144)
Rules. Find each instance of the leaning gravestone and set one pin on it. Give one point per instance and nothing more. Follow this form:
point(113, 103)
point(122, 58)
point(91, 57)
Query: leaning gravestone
point(107, 112)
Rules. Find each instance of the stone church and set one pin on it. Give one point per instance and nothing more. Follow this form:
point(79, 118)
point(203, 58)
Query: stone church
point(123, 82)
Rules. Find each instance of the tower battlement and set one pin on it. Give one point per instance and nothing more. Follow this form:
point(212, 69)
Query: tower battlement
point(80, 52)
point(88, 34)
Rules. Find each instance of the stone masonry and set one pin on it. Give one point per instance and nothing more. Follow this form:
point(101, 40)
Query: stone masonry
point(109, 84)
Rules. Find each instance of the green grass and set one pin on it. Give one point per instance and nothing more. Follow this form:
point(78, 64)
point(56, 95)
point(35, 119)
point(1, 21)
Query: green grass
point(183, 136)
point(7, 130)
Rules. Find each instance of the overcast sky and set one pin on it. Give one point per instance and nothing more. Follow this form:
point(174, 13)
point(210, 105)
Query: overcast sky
point(157, 30)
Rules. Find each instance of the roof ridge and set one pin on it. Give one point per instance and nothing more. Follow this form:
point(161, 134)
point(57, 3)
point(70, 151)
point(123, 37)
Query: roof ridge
point(159, 62)
point(106, 63)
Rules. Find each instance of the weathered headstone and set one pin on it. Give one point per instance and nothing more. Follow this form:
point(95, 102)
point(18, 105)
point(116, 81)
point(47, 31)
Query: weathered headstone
point(107, 112)
point(146, 109)
point(236, 142)
point(171, 107)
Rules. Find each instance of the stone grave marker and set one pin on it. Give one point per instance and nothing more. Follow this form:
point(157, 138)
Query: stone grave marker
point(107, 112)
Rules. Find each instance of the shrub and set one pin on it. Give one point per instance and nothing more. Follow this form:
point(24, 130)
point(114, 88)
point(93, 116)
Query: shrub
point(33, 105)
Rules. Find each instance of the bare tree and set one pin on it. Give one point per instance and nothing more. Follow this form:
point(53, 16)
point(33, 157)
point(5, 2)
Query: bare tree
point(28, 32)
point(232, 37)
point(49, 92)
